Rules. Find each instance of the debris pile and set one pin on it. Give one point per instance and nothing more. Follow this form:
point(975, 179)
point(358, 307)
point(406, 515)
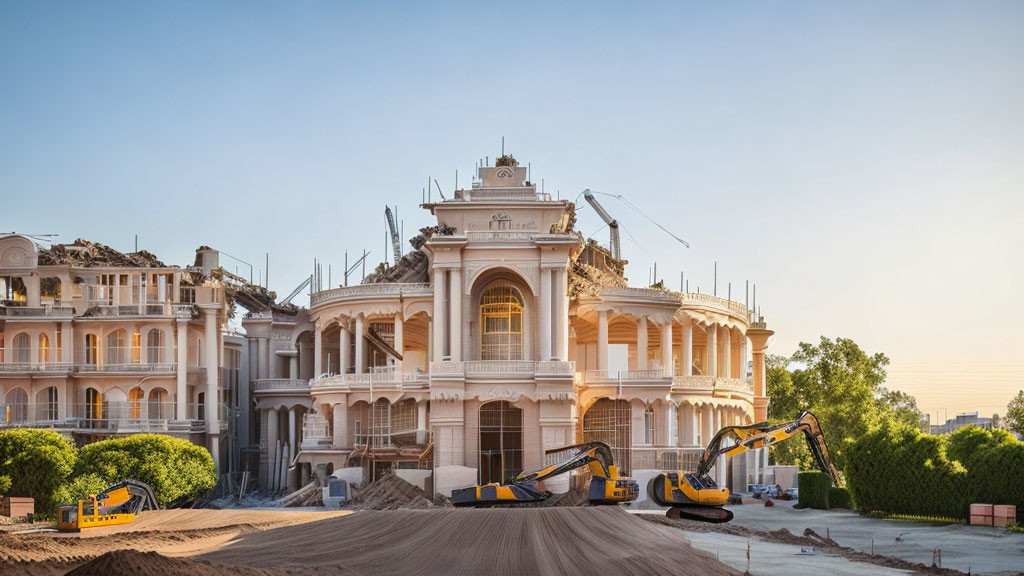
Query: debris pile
point(85, 253)
point(390, 493)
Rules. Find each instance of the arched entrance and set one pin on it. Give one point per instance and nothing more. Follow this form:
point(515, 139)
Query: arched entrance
point(610, 421)
point(501, 442)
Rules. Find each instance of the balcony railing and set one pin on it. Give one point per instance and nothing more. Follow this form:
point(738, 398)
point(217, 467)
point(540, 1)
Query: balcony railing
point(520, 368)
point(130, 310)
point(280, 385)
point(624, 376)
point(127, 367)
point(502, 193)
point(378, 379)
point(500, 235)
point(22, 311)
point(383, 289)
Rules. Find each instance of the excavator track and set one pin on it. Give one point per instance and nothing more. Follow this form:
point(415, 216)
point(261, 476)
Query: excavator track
point(712, 514)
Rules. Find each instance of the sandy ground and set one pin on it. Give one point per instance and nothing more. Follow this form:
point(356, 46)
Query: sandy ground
point(584, 540)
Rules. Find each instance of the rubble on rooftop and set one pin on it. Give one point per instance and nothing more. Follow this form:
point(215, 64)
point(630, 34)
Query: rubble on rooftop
point(86, 254)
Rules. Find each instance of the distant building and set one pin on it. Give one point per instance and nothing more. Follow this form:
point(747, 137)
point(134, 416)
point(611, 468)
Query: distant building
point(961, 420)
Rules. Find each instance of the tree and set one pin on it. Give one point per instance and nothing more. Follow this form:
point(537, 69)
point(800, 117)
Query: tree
point(902, 407)
point(36, 463)
point(842, 385)
point(176, 469)
point(1015, 414)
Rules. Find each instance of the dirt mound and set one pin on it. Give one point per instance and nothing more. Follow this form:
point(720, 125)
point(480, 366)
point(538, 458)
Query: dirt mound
point(131, 563)
point(390, 493)
point(572, 541)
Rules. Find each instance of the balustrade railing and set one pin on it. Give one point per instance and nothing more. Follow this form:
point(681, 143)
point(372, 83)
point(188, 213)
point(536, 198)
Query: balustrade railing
point(280, 384)
point(664, 459)
point(382, 289)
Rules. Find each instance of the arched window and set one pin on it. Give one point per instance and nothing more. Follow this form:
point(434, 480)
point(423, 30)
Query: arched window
point(93, 407)
point(92, 350)
point(22, 345)
point(44, 348)
point(46, 404)
point(501, 322)
point(16, 411)
point(117, 347)
point(135, 396)
point(155, 347)
point(158, 407)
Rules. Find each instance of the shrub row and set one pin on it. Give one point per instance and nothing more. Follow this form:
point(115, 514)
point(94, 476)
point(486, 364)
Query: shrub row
point(47, 466)
point(813, 490)
point(897, 470)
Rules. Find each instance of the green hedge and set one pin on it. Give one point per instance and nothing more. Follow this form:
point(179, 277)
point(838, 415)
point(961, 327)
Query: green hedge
point(176, 469)
point(37, 463)
point(840, 498)
point(813, 489)
point(897, 470)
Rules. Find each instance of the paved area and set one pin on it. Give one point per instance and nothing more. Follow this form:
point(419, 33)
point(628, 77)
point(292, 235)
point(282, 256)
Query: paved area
point(770, 559)
point(977, 549)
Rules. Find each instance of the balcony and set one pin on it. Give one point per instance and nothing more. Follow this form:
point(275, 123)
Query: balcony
point(654, 458)
point(504, 368)
point(626, 377)
point(282, 385)
point(107, 417)
point(124, 367)
point(378, 379)
point(657, 378)
point(105, 310)
point(371, 290)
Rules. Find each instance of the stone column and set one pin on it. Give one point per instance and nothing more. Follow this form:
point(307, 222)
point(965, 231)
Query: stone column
point(399, 345)
point(340, 412)
point(666, 423)
point(759, 336)
point(727, 352)
point(743, 357)
point(181, 369)
point(666, 347)
point(263, 362)
point(687, 358)
point(437, 352)
point(212, 375)
point(318, 351)
point(161, 288)
point(545, 313)
point(344, 348)
point(602, 340)
point(67, 343)
point(561, 316)
point(272, 440)
point(707, 424)
point(421, 415)
point(455, 324)
point(293, 367)
point(291, 434)
point(687, 425)
point(641, 343)
point(712, 351)
point(360, 346)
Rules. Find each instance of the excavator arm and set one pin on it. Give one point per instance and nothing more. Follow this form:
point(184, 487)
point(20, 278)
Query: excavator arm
point(696, 496)
point(606, 486)
point(756, 436)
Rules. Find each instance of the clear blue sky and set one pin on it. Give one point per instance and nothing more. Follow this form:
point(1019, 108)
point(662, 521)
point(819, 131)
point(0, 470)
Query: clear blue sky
point(862, 162)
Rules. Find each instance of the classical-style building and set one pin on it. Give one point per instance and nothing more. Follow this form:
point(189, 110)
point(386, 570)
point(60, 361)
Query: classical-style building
point(95, 343)
point(500, 336)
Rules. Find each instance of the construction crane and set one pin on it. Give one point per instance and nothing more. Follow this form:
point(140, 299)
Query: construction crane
point(118, 504)
point(606, 486)
point(613, 224)
point(396, 241)
point(697, 497)
point(295, 292)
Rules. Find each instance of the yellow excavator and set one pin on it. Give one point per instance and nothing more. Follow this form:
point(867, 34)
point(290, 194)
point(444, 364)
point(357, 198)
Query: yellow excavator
point(118, 504)
point(606, 486)
point(696, 496)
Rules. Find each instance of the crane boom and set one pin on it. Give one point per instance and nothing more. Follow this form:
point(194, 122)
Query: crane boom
point(295, 292)
point(613, 224)
point(396, 242)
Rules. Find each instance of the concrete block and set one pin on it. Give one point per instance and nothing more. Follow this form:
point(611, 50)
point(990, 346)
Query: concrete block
point(353, 475)
point(1001, 521)
point(1005, 511)
point(417, 478)
point(981, 509)
point(448, 478)
point(643, 477)
point(981, 520)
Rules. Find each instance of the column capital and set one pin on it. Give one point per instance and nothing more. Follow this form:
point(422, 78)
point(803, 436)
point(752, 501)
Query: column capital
point(759, 339)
